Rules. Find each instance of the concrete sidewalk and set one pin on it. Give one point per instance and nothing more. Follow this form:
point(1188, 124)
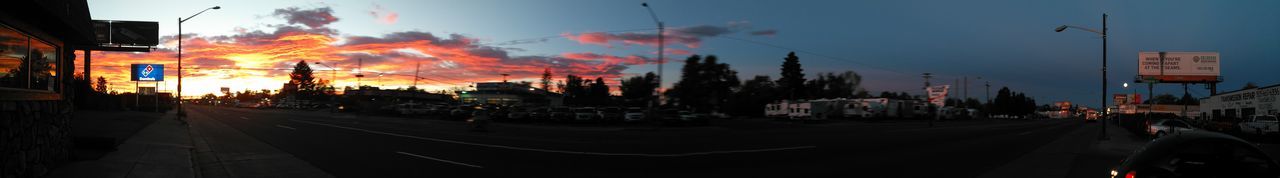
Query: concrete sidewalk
point(161, 149)
point(206, 147)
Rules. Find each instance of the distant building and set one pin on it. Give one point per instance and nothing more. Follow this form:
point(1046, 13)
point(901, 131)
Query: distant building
point(1241, 103)
point(510, 94)
point(398, 95)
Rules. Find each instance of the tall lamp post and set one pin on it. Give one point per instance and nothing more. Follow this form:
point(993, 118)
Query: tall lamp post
point(181, 112)
point(1102, 33)
point(657, 93)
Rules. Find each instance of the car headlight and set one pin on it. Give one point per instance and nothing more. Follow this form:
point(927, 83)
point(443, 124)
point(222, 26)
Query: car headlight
point(1114, 173)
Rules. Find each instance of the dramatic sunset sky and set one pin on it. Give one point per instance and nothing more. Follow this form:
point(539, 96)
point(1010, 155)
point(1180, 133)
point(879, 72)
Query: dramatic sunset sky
point(252, 44)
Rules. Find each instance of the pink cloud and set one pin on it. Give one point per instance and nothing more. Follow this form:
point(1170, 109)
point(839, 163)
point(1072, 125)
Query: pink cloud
point(383, 15)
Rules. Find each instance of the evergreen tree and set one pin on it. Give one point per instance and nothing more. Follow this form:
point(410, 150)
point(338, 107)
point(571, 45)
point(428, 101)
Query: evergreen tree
point(102, 85)
point(792, 80)
point(546, 79)
point(302, 77)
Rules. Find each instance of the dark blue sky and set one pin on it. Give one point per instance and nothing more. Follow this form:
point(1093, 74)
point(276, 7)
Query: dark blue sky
point(1009, 43)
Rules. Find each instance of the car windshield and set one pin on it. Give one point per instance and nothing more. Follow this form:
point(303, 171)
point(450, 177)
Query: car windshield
point(633, 88)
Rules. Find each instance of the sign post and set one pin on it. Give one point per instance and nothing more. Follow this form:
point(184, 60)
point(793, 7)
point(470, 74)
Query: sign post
point(153, 73)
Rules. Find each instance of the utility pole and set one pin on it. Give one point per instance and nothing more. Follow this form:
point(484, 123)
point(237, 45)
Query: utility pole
point(988, 85)
point(359, 66)
point(416, 69)
point(926, 95)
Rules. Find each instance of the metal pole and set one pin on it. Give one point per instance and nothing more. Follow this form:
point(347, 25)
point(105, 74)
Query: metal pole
point(181, 112)
point(416, 69)
point(1103, 136)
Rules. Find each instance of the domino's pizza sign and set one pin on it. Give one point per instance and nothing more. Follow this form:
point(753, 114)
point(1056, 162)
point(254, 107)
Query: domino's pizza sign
point(146, 72)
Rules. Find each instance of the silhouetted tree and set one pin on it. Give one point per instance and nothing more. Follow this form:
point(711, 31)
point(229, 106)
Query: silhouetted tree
point(638, 90)
point(546, 79)
point(704, 85)
point(753, 96)
point(599, 92)
point(1162, 99)
point(575, 91)
point(1187, 99)
point(792, 80)
point(302, 77)
point(1249, 85)
point(102, 85)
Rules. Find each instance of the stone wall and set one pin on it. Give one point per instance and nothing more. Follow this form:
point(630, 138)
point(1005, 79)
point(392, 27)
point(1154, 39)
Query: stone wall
point(34, 137)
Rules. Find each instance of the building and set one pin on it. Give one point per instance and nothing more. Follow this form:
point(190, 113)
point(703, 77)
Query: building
point(37, 44)
point(510, 94)
point(1241, 103)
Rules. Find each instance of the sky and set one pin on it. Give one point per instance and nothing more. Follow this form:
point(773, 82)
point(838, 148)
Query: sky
point(890, 43)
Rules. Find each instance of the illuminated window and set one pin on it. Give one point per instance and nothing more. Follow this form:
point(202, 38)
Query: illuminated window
point(44, 65)
point(26, 62)
point(13, 57)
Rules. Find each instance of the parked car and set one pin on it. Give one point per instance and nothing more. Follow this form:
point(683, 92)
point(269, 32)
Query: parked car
point(1260, 125)
point(539, 114)
point(634, 114)
point(585, 114)
point(1198, 154)
point(611, 114)
point(518, 114)
point(560, 114)
point(461, 112)
point(683, 117)
point(1163, 127)
point(1223, 124)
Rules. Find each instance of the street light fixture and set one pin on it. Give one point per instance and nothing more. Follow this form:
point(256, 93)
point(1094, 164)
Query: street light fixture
point(181, 112)
point(657, 92)
point(1103, 34)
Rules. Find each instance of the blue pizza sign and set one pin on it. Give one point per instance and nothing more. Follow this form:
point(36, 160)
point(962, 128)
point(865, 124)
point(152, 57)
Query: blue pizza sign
point(146, 72)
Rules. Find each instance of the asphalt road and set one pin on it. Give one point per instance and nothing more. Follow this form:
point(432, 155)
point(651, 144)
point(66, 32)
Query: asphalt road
point(353, 146)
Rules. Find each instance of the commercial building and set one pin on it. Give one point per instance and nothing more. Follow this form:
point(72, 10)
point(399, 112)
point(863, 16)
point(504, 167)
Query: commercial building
point(37, 44)
point(1241, 103)
point(510, 94)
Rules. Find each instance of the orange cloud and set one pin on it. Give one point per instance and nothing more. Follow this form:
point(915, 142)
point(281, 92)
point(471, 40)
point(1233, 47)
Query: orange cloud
point(258, 59)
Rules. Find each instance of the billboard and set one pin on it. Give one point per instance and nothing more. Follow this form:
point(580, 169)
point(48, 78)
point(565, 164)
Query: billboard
point(146, 72)
point(1179, 66)
point(137, 33)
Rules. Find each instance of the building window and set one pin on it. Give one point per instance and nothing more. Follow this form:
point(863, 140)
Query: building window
point(13, 57)
point(44, 65)
point(27, 62)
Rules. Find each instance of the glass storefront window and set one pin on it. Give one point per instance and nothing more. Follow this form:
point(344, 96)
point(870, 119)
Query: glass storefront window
point(13, 55)
point(44, 65)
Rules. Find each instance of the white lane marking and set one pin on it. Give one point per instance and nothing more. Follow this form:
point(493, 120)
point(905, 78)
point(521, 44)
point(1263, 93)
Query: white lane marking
point(244, 118)
point(286, 127)
point(438, 159)
point(559, 151)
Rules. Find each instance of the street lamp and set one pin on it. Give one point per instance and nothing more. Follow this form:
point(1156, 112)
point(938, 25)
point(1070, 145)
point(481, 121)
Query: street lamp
point(1103, 34)
point(657, 93)
point(181, 112)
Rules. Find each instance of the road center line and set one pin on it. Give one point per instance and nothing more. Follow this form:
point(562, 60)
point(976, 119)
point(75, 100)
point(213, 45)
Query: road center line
point(244, 118)
point(438, 159)
point(558, 151)
point(286, 127)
